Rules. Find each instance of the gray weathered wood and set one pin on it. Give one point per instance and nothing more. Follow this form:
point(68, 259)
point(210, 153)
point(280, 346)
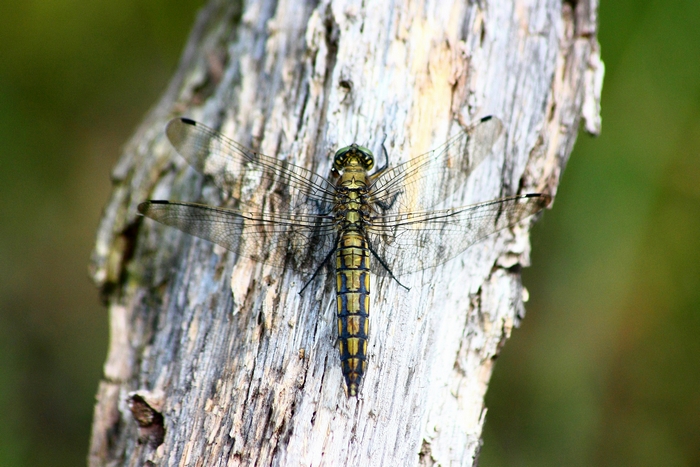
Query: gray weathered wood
point(242, 368)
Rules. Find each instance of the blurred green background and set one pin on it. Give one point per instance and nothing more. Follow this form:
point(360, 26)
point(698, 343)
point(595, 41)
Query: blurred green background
point(605, 369)
point(76, 78)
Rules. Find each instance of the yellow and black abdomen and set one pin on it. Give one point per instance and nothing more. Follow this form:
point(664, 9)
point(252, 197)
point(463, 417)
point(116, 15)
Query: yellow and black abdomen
point(352, 287)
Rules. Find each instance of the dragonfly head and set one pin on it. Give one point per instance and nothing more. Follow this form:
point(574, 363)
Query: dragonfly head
point(353, 155)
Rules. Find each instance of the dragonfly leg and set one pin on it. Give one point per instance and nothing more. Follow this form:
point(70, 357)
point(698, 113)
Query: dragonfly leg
point(318, 269)
point(386, 159)
point(385, 206)
point(384, 265)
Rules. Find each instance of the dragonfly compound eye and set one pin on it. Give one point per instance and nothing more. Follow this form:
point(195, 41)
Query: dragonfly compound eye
point(353, 155)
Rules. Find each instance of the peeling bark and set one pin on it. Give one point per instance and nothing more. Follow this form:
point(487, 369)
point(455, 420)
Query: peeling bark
point(241, 368)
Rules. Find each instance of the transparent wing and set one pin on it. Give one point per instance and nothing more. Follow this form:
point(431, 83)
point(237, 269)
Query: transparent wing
point(431, 178)
point(272, 239)
point(413, 241)
point(292, 223)
point(231, 165)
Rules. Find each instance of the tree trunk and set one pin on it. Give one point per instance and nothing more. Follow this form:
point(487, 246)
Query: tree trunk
point(217, 360)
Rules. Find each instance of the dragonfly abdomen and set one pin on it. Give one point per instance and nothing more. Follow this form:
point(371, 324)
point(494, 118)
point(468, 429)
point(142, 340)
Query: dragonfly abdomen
point(352, 288)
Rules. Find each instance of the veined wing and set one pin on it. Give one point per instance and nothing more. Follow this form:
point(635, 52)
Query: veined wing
point(268, 238)
point(230, 164)
point(429, 179)
point(413, 241)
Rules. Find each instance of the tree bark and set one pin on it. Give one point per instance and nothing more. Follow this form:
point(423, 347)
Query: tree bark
point(217, 360)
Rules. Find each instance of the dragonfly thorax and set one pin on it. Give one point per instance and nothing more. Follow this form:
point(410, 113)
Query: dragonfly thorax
point(353, 156)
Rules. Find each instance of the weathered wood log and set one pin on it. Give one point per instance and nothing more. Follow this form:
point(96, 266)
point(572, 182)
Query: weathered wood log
point(217, 360)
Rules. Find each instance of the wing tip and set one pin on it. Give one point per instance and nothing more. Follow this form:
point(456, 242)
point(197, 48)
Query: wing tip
point(179, 121)
point(545, 199)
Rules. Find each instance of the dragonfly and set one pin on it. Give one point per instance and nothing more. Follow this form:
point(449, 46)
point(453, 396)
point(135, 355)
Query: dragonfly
point(390, 222)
